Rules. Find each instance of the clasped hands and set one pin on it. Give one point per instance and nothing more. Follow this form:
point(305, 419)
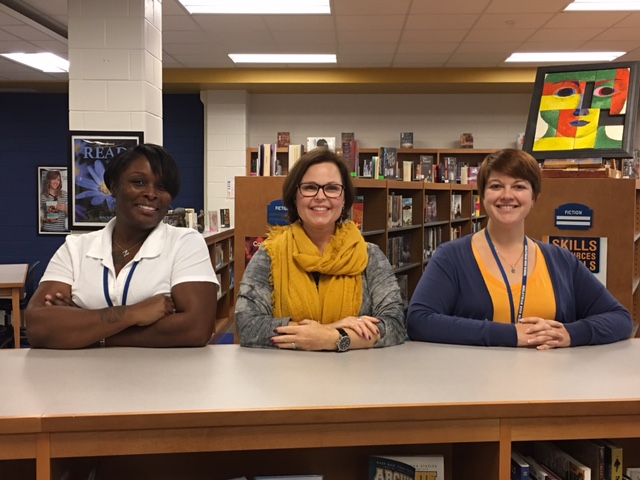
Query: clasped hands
point(542, 334)
point(145, 313)
point(312, 335)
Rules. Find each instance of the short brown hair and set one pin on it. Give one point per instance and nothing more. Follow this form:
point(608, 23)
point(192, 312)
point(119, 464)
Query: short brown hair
point(512, 162)
point(315, 157)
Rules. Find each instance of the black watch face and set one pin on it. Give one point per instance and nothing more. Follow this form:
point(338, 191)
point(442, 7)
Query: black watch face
point(343, 343)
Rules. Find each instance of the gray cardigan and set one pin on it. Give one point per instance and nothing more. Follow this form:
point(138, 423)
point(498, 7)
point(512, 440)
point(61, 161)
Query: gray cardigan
point(254, 307)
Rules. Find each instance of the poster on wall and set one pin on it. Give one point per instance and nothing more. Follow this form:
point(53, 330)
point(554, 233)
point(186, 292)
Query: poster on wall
point(583, 111)
point(53, 201)
point(592, 251)
point(91, 203)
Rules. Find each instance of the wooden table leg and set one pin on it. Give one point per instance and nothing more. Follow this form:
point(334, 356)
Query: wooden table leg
point(16, 316)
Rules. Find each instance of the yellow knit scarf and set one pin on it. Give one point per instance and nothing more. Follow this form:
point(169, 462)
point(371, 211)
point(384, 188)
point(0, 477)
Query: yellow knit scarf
point(294, 256)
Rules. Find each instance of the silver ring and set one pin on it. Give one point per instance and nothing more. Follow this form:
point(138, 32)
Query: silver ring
point(293, 345)
point(359, 319)
point(174, 311)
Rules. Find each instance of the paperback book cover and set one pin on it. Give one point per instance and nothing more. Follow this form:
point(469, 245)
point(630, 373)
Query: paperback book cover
point(284, 139)
point(389, 162)
point(519, 467)
point(560, 462)
point(426, 467)
point(295, 152)
point(456, 206)
point(588, 452)
point(431, 215)
point(384, 468)
point(427, 168)
point(466, 140)
point(407, 171)
point(613, 466)
point(225, 218)
point(325, 142)
point(357, 210)
point(251, 246)
point(406, 140)
point(407, 211)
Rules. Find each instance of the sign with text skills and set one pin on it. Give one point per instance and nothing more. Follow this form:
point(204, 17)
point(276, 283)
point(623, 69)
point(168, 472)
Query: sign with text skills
point(591, 251)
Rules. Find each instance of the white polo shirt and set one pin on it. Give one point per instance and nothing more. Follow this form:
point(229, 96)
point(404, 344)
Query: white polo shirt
point(169, 256)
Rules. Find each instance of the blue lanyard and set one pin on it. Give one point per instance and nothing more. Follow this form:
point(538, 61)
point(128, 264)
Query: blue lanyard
point(525, 266)
point(105, 285)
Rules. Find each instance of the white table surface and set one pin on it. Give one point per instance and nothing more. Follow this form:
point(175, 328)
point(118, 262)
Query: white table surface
point(229, 377)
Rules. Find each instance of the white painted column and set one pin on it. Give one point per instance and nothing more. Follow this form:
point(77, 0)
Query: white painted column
point(115, 71)
point(226, 141)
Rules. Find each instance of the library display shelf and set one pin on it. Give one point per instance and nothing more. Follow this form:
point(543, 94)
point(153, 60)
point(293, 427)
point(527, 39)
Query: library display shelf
point(404, 237)
point(470, 156)
point(221, 246)
point(606, 210)
point(226, 411)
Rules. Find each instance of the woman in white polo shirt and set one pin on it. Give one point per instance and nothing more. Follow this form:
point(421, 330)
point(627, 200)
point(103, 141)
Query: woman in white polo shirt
point(136, 282)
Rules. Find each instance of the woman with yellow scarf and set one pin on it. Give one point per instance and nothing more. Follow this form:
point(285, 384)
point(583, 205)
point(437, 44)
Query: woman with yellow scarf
point(316, 284)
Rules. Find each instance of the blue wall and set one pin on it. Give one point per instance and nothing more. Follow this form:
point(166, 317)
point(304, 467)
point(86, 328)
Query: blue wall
point(34, 132)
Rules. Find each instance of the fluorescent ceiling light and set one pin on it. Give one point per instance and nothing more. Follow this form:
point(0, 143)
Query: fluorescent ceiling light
point(47, 62)
point(604, 5)
point(258, 7)
point(281, 58)
point(564, 57)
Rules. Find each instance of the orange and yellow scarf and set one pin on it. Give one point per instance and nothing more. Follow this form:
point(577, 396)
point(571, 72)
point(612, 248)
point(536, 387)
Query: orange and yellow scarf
point(293, 258)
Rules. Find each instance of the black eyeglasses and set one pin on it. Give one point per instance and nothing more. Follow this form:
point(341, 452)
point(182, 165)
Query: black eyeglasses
point(331, 190)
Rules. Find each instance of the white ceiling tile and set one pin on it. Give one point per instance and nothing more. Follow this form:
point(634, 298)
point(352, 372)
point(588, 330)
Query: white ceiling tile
point(379, 36)
point(561, 35)
point(370, 22)
point(514, 21)
point(431, 7)
point(585, 20)
point(427, 47)
point(370, 7)
point(423, 36)
point(499, 35)
point(427, 22)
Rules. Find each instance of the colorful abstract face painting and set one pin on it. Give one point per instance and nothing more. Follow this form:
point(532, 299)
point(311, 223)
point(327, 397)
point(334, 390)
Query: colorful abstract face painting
point(582, 110)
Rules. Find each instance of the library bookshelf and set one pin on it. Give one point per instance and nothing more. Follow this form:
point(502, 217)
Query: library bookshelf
point(220, 245)
point(254, 194)
point(615, 206)
point(470, 156)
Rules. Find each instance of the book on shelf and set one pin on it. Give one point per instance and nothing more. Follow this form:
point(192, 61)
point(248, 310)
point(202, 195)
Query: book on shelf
point(633, 473)
point(456, 206)
point(425, 467)
point(426, 163)
point(214, 224)
point(476, 206)
point(357, 211)
point(466, 140)
point(284, 139)
point(472, 175)
point(449, 172)
point(407, 171)
point(264, 160)
point(388, 162)
point(352, 157)
point(219, 256)
point(325, 142)
point(367, 168)
point(294, 153)
point(456, 232)
point(407, 211)
point(464, 174)
point(251, 246)
point(345, 142)
point(560, 462)
point(588, 452)
point(406, 140)
point(537, 471)
point(431, 213)
point(432, 239)
point(219, 290)
point(613, 460)
point(403, 283)
point(399, 251)
point(225, 218)
point(519, 466)
point(386, 468)
point(394, 209)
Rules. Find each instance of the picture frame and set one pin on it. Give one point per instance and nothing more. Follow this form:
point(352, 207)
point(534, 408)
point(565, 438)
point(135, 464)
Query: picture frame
point(53, 200)
point(91, 204)
point(606, 96)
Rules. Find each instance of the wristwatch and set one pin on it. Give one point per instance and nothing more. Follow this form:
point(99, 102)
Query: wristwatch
point(344, 341)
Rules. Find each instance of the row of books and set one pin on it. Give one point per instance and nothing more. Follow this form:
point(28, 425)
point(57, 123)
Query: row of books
point(432, 239)
point(400, 211)
point(268, 164)
point(570, 459)
point(399, 251)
